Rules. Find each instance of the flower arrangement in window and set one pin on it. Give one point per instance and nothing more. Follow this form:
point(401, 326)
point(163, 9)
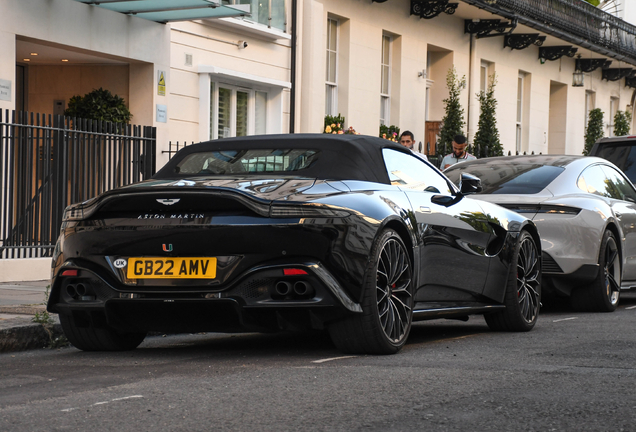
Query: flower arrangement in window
point(392, 133)
point(335, 125)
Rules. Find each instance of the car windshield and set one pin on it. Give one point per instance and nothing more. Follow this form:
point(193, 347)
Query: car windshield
point(523, 179)
point(246, 161)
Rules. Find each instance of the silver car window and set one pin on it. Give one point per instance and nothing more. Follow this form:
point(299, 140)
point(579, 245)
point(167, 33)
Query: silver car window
point(412, 173)
point(594, 181)
point(618, 186)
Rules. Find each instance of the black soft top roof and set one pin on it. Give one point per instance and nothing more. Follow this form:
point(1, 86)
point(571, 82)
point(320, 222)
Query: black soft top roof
point(342, 157)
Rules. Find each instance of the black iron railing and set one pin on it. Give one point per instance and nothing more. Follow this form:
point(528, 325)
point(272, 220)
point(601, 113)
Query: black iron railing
point(47, 163)
point(575, 21)
point(173, 148)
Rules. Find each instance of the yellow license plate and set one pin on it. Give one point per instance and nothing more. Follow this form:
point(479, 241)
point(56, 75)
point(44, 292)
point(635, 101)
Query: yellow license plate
point(171, 268)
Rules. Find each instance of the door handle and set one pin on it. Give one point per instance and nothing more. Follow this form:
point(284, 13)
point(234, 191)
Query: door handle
point(424, 209)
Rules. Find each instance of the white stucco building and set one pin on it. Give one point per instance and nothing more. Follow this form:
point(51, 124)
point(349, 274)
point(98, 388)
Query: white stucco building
point(385, 64)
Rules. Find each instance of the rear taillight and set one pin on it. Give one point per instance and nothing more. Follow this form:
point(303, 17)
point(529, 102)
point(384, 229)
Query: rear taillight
point(293, 272)
point(543, 209)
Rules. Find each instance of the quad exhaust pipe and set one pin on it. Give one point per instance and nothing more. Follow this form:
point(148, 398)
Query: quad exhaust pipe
point(303, 289)
point(299, 289)
point(79, 291)
point(283, 288)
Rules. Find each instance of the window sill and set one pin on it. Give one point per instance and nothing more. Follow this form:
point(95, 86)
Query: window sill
point(243, 26)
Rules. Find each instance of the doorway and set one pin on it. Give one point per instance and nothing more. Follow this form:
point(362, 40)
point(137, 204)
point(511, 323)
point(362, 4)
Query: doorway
point(558, 118)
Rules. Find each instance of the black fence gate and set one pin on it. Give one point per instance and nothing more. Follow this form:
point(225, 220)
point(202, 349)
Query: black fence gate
point(49, 162)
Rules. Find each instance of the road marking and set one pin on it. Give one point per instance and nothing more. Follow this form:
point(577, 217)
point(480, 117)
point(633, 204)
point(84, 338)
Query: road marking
point(631, 307)
point(565, 319)
point(331, 359)
point(126, 397)
point(460, 337)
point(105, 402)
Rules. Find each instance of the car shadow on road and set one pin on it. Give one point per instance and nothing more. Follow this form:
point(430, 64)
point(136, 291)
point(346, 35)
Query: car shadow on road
point(310, 344)
point(561, 304)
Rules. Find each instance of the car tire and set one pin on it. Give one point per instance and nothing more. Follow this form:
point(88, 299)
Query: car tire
point(603, 293)
point(387, 302)
point(91, 338)
point(523, 289)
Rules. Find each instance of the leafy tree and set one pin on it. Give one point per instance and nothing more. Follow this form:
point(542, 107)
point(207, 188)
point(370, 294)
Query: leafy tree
point(622, 119)
point(486, 140)
point(594, 130)
point(99, 104)
point(453, 122)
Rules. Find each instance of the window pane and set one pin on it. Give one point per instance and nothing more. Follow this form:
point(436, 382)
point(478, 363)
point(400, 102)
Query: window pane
point(384, 110)
point(501, 178)
point(385, 49)
point(211, 111)
point(594, 181)
point(385, 80)
point(225, 97)
point(260, 113)
point(621, 155)
point(246, 161)
point(519, 98)
point(329, 99)
point(618, 186)
point(278, 14)
point(412, 173)
point(332, 34)
point(331, 73)
point(241, 113)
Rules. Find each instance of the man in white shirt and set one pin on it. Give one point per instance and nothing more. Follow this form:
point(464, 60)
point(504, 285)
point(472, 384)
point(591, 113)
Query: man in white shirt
point(459, 153)
point(408, 140)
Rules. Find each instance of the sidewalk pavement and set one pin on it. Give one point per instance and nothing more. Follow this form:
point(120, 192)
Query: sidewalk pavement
point(19, 302)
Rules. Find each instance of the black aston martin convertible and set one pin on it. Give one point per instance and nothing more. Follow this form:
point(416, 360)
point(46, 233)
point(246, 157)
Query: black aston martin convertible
point(349, 233)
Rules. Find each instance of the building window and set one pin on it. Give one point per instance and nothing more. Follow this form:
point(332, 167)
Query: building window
point(331, 79)
point(612, 113)
point(485, 72)
point(590, 104)
point(385, 85)
point(519, 126)
point(270, 13)
point(236, 111)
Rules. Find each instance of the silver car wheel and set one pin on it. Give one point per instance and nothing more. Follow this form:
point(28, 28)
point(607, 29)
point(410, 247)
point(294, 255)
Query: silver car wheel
point(612, 272)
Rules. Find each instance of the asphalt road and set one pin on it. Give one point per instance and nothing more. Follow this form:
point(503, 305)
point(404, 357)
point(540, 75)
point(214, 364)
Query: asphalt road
point(573, 372)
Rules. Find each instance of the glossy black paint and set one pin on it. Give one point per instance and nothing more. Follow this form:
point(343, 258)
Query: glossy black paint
point(257, 226)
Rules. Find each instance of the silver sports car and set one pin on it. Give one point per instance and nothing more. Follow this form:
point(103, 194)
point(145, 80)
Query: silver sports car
point(585, 209)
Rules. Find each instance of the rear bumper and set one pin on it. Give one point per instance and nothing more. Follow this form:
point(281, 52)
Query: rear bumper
point(263, 298)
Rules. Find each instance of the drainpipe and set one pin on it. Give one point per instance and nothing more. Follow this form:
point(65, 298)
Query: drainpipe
point(470, 81)
point(292, 105)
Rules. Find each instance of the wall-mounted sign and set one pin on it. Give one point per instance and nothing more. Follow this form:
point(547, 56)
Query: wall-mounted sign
point(162, 113)
point(5, 90)
point(161, 83)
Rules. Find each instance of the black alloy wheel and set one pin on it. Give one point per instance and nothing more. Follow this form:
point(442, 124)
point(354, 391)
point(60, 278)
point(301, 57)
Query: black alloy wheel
point(603, 293)
point(523, 291)
point(393, 295)
point(387, 303)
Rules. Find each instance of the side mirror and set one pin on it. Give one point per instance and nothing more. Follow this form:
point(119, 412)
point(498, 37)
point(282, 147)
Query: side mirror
point(469, 184)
